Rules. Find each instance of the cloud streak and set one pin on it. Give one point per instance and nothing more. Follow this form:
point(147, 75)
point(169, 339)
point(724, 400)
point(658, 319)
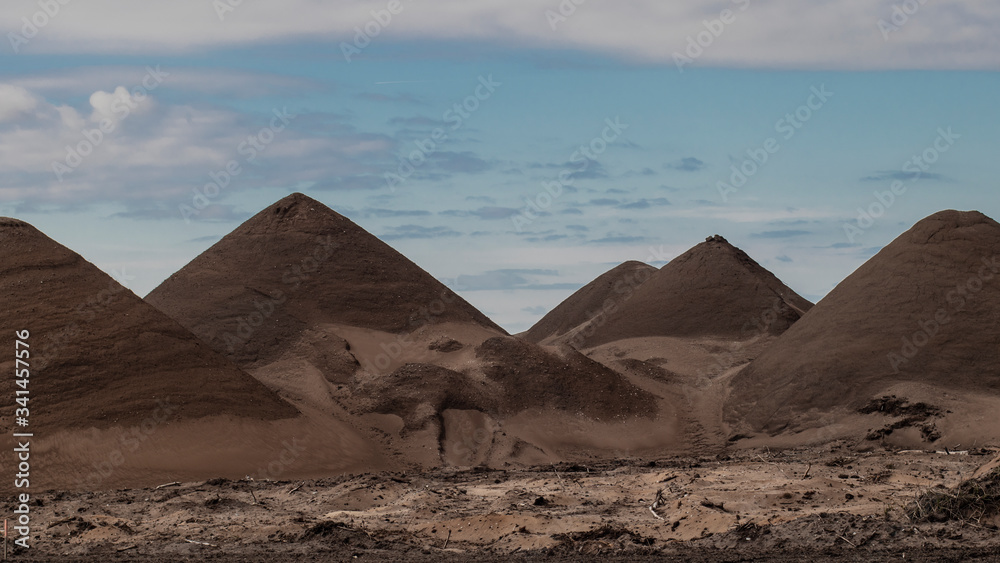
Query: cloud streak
point(943, 35)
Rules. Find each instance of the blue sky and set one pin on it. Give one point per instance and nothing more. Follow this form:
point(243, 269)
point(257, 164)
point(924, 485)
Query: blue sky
point(839, 104)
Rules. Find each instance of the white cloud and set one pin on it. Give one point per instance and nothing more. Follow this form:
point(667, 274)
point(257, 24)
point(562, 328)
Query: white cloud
point(104, 103)
point(158, 157)
point(768, 33)
point(15, 101)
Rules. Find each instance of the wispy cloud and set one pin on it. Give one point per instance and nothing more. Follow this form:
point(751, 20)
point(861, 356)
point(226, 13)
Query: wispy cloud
point(390, 98)
point(618, 238)
point(891, 175)
point(686, 164)
point(488, 212)
point(379, 212)
point(956, 34)
point(645, 203)
point(418, 232)
point(780, 234)
point(511, 279)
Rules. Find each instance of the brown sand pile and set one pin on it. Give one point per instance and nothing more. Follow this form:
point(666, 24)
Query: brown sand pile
point(339, 322)
point(588, 302)
point(294, 266)
point(535, 378)
point(714, 289)
point(100, 356)
point(925, 309)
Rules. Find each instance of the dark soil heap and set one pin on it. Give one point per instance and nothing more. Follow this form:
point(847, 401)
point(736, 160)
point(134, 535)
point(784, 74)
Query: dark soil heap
point(296, 265)
point(589, 300)
point(926, 308)
point(99, 355)
point(535, 378)
point(714, 289)
point(410, 389)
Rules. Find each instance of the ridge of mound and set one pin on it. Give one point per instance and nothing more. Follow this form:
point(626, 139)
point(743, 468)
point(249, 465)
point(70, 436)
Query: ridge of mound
point(587, 302)
point(713, 289)
point(293, 266)
point(100, 356)
point(925, 309)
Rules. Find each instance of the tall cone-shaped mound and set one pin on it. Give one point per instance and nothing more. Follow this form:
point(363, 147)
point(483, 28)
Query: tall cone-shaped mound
point(925, 309)
point(714, 290)
point(588, 302)
point(295, 265)
point(99, 356)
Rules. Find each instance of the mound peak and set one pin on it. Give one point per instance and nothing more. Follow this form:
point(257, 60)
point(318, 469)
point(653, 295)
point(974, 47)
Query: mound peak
point(587, 302)
point(295, 213)
point(926, 309)
point(13, 223)
point(296, 265)
point(714, 289)
point(947, 225)
point(103, 356)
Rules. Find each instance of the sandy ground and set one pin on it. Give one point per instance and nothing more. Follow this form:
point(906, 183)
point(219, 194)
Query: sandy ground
point(834, 502)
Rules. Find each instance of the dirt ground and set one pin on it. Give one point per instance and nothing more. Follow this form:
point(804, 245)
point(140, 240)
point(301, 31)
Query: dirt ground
point(834, 502)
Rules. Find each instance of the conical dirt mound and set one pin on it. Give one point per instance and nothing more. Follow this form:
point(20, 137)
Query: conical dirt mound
point(588, 302)
point(99, 356)
point(925, 309)
point(712, 290)
point(298, 264)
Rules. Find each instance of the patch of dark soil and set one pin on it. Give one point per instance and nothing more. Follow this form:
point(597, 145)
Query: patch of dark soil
point(891, 405)
point(914, 415)
point(647, 369)
point(605, 540)
point(445, 345)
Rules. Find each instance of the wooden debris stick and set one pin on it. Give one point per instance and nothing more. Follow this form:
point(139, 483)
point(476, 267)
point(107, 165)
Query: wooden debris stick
point(656, 503)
